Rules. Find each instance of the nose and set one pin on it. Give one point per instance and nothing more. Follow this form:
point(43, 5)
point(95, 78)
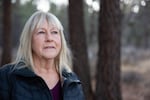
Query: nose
point(48, 37)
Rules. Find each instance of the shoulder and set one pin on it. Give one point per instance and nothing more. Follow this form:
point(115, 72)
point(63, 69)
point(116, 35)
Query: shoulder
point(72, 86)
point(5, 70)
point(70, 75)
point(4, 80)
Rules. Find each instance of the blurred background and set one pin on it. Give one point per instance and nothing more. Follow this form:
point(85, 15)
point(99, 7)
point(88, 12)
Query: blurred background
point(110, 40)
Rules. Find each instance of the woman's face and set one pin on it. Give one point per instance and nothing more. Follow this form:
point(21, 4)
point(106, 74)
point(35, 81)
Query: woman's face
point(46, 41)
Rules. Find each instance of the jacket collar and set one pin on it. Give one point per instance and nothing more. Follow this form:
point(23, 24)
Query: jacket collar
point(21, 69)
point(70, 76)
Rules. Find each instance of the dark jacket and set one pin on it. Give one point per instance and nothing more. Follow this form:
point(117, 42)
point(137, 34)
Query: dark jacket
point(23, 84)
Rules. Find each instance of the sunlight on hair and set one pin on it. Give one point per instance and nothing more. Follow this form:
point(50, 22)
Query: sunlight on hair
point(43, 5)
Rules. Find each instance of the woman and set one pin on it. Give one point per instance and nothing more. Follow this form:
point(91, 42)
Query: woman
point(41, 70)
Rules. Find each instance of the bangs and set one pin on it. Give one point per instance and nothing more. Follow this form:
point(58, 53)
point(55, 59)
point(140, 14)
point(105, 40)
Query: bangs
point(38, 22)
point(49, 18)
point(54, 22)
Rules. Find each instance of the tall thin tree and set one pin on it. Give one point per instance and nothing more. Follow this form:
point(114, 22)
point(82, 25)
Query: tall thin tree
point(108, 67)
point(78, 45)
point(6, 42)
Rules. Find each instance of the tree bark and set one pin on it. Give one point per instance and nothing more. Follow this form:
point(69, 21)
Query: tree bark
point(108, 66)
point(6, 40)
point(78, 45)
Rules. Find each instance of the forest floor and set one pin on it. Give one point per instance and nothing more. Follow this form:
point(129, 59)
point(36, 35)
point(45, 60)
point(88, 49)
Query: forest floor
point(135, 81)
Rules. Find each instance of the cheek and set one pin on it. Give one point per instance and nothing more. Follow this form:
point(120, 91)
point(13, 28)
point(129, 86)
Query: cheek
point(59, 43)
point(36, 44)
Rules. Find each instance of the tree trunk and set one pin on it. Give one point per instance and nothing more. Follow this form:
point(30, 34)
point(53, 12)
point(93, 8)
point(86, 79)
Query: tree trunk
point(6, 43)
point(78, 45)
point(108, 67)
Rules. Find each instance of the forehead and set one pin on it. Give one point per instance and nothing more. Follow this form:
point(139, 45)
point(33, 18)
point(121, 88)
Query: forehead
point(46, 24)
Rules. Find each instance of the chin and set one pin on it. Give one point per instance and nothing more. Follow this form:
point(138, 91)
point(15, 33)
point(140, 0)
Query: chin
point(50, 57)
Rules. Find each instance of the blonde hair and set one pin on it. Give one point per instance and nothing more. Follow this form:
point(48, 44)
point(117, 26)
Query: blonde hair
point(24, 53)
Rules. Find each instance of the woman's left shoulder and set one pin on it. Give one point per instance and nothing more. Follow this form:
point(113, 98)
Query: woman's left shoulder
point(72, 86)
point(70, 75)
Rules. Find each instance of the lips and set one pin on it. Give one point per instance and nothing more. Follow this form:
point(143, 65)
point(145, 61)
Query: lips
point(49, 47)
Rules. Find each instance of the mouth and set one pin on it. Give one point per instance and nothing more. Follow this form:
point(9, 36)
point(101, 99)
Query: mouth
point(49, 47)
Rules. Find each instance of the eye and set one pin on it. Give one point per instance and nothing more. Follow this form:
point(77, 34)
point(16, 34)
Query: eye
point(54, 32)
point(41, 32)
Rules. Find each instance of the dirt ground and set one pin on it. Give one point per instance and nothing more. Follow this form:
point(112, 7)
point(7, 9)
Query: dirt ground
point(135, 81)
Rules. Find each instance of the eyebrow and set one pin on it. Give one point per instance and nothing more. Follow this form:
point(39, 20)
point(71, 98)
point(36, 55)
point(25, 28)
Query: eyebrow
point(42, 28)
point(52, 28)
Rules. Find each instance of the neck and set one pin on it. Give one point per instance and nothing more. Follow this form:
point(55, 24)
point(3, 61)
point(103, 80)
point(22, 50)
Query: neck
point(43, 66)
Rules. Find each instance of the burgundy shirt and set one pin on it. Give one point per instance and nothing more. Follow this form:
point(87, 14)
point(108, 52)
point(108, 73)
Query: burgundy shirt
point(57, 92)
